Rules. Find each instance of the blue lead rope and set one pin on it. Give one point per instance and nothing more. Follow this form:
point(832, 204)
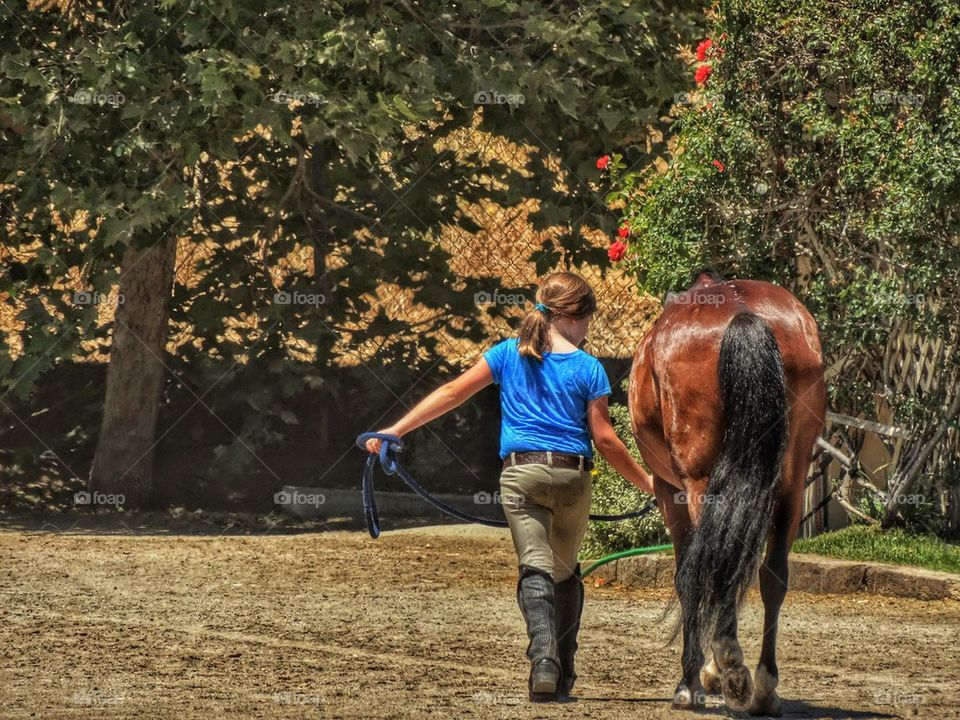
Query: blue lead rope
point(387, 456)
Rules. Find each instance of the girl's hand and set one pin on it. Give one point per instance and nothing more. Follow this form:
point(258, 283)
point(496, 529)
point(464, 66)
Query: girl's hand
point(373, 444)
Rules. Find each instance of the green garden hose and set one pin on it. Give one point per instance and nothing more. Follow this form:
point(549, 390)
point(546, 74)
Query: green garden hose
point(625, 553)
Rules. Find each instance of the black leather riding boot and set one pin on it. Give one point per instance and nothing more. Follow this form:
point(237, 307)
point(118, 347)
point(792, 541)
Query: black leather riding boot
point(569, 610)
point(536, 595)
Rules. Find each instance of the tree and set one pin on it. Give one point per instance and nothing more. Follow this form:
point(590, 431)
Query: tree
point(135, 375)
point(254, 134)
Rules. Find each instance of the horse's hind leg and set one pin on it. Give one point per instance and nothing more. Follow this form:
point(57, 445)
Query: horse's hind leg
point(774, 574)
point(806, 421)
point(710, 677)
point(773, 589)
point(726, 673)
point(689, 694)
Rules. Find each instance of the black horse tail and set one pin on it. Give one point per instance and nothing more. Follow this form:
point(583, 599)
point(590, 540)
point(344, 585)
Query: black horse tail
point(723, 553)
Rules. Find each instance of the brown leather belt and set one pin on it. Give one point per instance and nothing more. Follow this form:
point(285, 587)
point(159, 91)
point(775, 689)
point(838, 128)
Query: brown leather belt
point(554, 459)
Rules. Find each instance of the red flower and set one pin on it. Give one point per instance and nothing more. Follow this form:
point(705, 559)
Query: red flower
point(719, 166)
point(617, 251)
point(703, 72)
point(702, 49)
point(624, 231)
point(602, 162)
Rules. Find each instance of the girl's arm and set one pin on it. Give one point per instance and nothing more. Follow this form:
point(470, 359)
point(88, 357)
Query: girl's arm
point(442, 400)
point(612, 447)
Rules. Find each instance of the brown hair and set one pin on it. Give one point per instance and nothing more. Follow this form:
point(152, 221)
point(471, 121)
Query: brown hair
point(562, 294)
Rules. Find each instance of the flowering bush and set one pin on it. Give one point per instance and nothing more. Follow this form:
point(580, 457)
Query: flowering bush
point(822, 152)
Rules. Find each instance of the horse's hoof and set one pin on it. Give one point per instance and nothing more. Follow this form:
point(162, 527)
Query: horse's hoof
point(765, 698)
point(737, 687)
point(710, 676)
point(768, 706)
point(685, 698)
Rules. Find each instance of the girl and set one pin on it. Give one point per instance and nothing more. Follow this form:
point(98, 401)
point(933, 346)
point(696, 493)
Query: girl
point(554, 401)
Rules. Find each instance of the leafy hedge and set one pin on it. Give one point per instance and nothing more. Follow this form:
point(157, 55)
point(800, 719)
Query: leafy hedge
point(821, 151)
point(612, 495)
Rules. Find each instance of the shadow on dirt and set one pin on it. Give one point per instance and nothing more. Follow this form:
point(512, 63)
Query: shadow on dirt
point(791, 708)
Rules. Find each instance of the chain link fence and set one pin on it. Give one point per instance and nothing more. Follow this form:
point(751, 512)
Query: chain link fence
point(504, 248)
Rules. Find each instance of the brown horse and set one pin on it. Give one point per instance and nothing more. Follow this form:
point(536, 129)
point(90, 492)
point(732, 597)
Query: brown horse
point(727, 396)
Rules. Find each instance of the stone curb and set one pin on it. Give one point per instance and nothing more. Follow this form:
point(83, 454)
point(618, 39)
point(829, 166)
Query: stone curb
point(808, 573)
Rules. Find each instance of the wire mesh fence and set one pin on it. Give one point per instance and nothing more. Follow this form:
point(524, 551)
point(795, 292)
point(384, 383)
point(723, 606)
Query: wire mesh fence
point(503, 252)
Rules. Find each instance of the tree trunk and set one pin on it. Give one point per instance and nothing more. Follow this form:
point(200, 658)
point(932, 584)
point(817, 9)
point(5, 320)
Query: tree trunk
point(123, 464)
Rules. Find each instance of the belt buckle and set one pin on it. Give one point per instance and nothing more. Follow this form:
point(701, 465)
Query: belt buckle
point(549, 458)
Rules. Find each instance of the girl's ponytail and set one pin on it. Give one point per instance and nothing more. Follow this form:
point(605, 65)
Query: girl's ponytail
point(533, 339)
point(560, 294)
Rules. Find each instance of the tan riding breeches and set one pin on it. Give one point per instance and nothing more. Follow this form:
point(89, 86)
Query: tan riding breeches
point(547, 509)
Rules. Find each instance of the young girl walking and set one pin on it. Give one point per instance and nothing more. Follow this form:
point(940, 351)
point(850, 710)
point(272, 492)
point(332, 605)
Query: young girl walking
point(553, 399)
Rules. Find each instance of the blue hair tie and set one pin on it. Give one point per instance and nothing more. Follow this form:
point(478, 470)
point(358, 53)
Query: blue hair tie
point(542, 308)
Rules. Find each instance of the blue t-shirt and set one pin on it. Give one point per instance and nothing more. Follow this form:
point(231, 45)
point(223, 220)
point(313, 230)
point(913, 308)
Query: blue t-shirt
point(544, 404)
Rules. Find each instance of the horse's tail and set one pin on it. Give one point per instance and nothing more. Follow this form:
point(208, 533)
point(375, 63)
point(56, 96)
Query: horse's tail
point(723, 552)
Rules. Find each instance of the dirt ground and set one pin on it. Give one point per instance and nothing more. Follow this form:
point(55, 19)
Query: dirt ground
point(420, 623)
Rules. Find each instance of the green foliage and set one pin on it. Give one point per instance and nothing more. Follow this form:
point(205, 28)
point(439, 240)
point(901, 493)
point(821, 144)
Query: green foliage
point(822, 154)
point(861, 542)
point(919, 513)
point(613, 495)
point(305, 125)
